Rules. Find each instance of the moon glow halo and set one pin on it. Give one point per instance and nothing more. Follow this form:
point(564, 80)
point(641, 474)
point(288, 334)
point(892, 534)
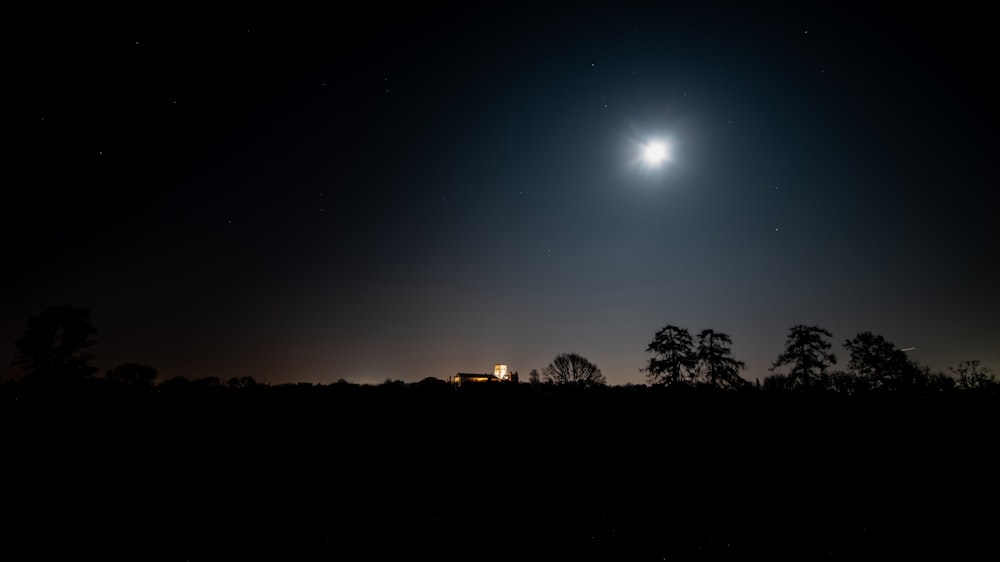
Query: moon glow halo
point(655, 153)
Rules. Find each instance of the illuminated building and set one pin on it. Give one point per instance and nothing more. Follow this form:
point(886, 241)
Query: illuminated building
point(500, 374)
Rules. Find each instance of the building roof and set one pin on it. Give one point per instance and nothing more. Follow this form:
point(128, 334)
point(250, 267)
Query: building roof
point(476, 375)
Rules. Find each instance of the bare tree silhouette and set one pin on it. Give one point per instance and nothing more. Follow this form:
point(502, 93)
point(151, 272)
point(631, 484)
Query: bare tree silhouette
point(572, 368)
point(973, 377)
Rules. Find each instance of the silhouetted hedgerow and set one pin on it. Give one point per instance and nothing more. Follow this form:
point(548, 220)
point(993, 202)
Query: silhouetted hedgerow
point(310, 471)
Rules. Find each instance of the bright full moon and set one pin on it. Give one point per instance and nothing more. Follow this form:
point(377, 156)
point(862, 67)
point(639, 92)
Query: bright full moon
point(655, 153)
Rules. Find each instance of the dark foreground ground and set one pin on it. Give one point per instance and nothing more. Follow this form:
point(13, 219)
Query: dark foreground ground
point(505, 474)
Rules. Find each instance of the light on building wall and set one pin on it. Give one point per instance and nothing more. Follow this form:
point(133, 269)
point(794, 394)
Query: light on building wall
point(500, 371)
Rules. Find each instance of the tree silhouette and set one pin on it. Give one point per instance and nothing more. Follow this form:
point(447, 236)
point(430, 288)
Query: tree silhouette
point(844, 382)
point(674, 359)
point(716, 366)
point(972, 377)
point(534, 377)
point(572, 368)
point(176, 386)
point(877, 362)
point(807, 352)
point(240, 383)
point(133, 374)
point(936, 382)
point(210, 383)
point(54, 346)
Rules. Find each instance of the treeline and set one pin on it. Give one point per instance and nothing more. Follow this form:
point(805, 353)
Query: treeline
point(55, 354)
point(805, 364)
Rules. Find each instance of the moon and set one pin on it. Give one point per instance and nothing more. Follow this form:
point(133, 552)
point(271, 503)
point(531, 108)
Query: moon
point(655, 153)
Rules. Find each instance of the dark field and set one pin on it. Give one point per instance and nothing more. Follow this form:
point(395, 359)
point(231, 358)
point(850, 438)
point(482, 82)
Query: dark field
point(344, 472)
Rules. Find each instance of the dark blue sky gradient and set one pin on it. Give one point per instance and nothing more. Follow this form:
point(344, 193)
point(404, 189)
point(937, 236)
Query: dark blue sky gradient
point(416, 192)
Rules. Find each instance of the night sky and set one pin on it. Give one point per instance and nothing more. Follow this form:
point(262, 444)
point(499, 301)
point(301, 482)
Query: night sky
point(400, 193)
